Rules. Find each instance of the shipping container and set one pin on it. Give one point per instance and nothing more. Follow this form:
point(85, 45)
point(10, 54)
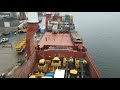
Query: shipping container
point(67, 18)
point(55, 29)
point(63, 19)
point(42, 30)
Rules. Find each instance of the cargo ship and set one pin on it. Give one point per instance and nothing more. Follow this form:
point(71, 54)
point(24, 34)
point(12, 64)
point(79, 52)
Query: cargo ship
point(60, 52)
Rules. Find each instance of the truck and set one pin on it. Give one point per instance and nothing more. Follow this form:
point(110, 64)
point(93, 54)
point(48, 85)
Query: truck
point(20, 46)
point(4, 40)
point(22, 31)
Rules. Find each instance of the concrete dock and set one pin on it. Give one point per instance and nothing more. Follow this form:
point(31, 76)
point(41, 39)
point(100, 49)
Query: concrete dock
point(8, 55)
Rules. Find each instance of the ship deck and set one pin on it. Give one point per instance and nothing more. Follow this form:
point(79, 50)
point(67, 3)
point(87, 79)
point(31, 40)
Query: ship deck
point(62, 39)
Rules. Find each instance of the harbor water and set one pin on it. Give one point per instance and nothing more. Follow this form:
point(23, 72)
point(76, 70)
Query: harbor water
point(101, 34)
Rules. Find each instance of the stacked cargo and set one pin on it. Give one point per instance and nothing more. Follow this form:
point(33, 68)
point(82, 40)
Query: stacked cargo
point(65, 23)
point(67, 18)
point(61, 26)
point(76, 38)
point(63, 19)
point(72, 27)
point(50, 27)
point(71, 19)
point(66, 27)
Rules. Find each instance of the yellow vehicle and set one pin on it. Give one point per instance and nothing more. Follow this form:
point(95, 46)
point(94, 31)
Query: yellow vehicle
point(22, 31)
point(78, 61)
point(32, 76)
point(64, 62)
point(37, 75)
point(42, 67)
point(73, 74)
point(20, 46)
point(55, 63)
point(70, 62)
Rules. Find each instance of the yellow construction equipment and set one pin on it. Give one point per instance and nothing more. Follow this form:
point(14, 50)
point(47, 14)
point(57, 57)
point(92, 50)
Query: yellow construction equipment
point(20, 46)
point(78, 61)
point(37, 75)
point(22, 31)
point(64, 62)
point(73, 74)
point(42, 67)
point(56, 63)
point(32, 76)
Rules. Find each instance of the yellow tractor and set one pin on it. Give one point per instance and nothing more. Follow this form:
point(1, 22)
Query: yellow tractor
point(78, 61)
point(55, 63)
point(73, 74)
point(42, 67)
point(68, 62)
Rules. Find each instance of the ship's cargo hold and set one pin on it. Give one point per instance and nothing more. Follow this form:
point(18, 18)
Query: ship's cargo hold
point(59, 73)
